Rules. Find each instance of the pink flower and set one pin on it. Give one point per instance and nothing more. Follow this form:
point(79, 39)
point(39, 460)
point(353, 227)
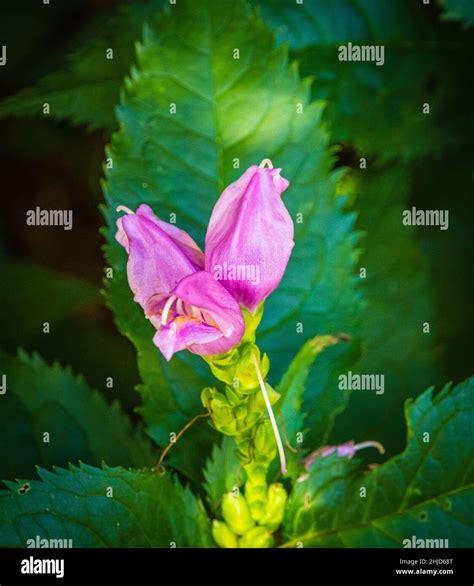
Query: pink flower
point(250, 235)
point(199, 314)
point(188, 307)
point(194, 301)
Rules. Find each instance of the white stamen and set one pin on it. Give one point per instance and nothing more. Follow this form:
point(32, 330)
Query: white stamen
point(179, 306)
point(195, 312)
point(124, 209)
point(276, 433)
point(266, 162)
point(370, 444)
point(166, 309)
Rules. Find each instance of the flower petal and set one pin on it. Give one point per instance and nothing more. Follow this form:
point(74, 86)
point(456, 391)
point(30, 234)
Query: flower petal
point(181, 238)
point(183, 333)
point(218, 324)
point(201, 290)
point(156, 261)
point(250, 236)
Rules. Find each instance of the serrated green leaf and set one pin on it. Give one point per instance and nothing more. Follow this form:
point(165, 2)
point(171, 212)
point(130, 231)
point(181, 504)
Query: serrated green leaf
point(318, 22)
point(33, 295)
point(87, 90)
point(292, 387)
point(171, 391)
point(108, 507)
point(399, 302)
point(368, 105)
point(81, 425)
point(311, 423)
point(222, 471)
point(187, 59)
point(427, 491)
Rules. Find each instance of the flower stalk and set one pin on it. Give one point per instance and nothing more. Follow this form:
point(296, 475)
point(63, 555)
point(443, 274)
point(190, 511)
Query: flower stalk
point(244, 411)
point(210, 303)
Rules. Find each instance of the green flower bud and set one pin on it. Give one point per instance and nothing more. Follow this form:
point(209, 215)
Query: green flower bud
point(257, 537)
point(240, 411)
point(222, 414)
point(256, 490)
point(252, 419)
point(257, 509)
point(275, 507)
point(236, 512)
point(223, 536)
point(245, 371)
point(257, 474)
point(229, 429)
point(265, 447)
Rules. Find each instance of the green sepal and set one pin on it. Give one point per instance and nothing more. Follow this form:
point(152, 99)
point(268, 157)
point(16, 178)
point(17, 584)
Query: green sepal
point(245, 375)
point(265, 448)
point(236, 512)
point(275, 506)
point(223, 365)
point(223, 535)
point(257, 537)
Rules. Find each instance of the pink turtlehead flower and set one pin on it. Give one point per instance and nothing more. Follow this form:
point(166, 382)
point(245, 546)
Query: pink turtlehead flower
point(194, 300)
point(187, 306)
point(250, 235)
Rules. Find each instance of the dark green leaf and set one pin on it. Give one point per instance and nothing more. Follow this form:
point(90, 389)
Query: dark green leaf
point(292, 388)
point(108, 507)
point(222, 472)
point(399, 303)
point(426, 492)
point(367, 104)
point(88, 88)
point(81, 425)
point(319, 22)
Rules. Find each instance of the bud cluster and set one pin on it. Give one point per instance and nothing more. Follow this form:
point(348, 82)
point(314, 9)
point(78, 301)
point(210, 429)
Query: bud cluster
point(240, 411)
point(239, 527)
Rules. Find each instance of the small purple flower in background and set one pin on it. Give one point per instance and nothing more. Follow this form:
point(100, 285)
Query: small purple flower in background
point(190, 305)
point(250, 233)
point(345, 450)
